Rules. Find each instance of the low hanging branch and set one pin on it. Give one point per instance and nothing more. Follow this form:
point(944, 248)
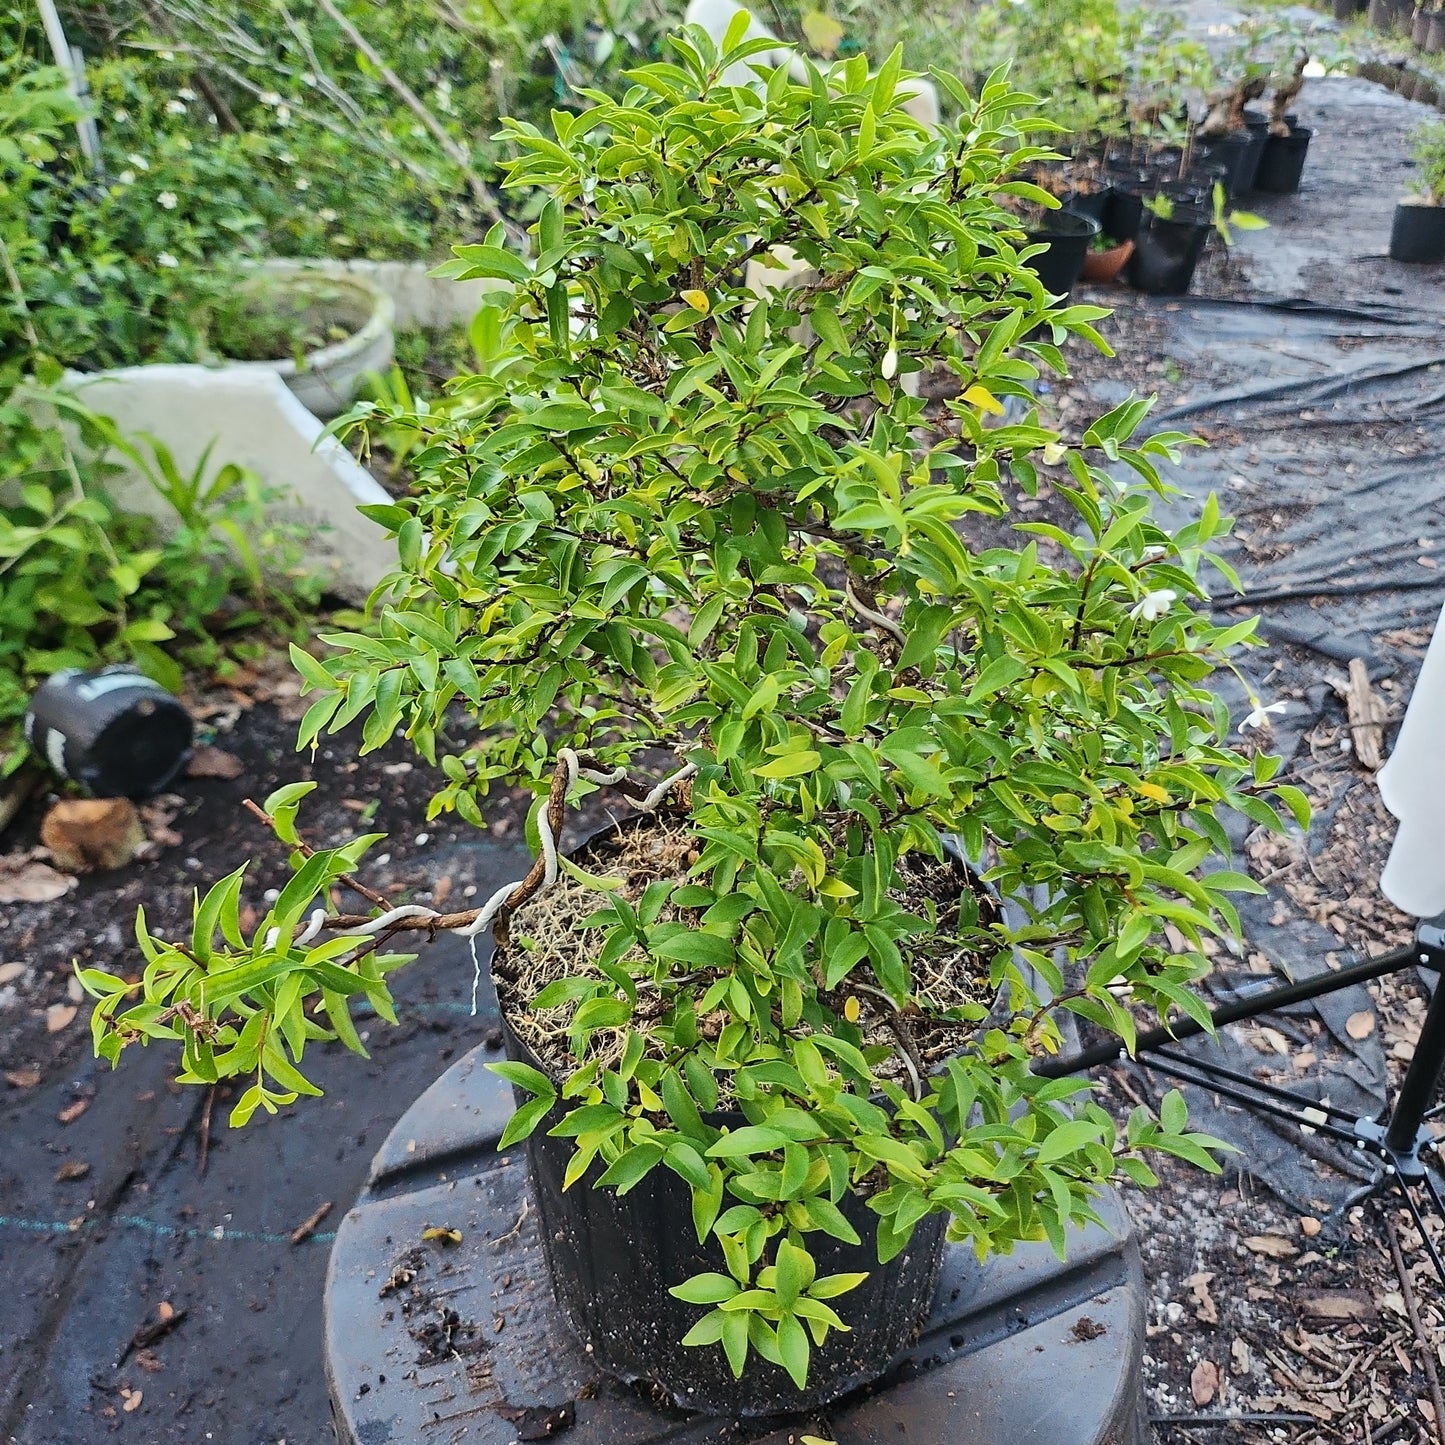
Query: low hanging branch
point(469, 923)
point(481, 192)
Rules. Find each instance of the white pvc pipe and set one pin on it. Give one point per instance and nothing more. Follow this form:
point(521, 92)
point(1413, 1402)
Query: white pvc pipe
point(74, 72)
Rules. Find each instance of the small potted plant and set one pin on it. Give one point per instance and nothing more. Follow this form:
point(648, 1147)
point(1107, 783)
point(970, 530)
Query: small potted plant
point(773, 1039)
point(1418, 233)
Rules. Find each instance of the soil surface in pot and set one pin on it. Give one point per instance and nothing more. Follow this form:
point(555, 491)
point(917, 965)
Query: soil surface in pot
point(548, 944)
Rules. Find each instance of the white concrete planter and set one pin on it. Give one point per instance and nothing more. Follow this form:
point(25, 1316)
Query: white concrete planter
point(326, 381)
point(254, 421)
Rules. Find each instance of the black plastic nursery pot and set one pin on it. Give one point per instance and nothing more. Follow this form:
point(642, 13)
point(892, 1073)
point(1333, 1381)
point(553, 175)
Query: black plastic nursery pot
point(1283, 162)
point(114, 731)
point(1418, 234)
point(1067, 236)
point(1240, 156)
point(1166, 252)
point(1093, 204)
point(612, 1260)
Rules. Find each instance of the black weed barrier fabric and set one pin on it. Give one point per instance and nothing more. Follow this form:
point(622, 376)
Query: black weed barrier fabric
point(1326, 442)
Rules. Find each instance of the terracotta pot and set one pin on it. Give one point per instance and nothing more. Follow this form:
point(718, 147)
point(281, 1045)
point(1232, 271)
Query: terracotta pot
point(1104, 266)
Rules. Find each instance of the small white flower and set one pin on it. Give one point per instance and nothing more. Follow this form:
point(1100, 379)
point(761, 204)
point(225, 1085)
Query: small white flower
point(302, 184)
point(1154, 554)
point(1259, 718)
point(167, 200)
point(269, 97)
point(1154, 605)
point(326, 214)
point(139, 162)
point(126, 177)
point(889, 369)
point(120, 116)
point(175, 107)
point(186, 93)
point(167, 260)
point(283, 115)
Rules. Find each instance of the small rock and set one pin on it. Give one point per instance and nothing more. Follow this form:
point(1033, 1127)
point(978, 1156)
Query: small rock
point(72, 1169)
point(24, 879)
point(92, 833)
point(9, 972)
point(1309, 1226)
point(71, 1112)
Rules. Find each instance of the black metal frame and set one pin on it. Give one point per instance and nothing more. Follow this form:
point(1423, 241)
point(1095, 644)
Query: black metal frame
point(1404, 1153)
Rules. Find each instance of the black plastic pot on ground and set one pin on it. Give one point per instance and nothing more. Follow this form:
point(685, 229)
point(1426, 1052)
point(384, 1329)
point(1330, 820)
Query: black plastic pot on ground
point(1093, 204)
point(1067, 237)
point(1240, 155)
point(1166, 252)
point(1348, 9)
point(115, 731)
point(1283, 162)
point(1418, 234)
point(612, 1260)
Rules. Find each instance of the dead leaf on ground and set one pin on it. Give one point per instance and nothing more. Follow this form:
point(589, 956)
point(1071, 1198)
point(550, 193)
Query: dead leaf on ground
point(1337, 1304)
point(1360, 1025)
point(1309, 1226)
point(87, 833)
point(441, 1234)
point(212, 762)
point(1204, 1382)
point(1239, 1357)
point(72, 1169)
point(71, 1112)
point(22, 1078)
point(1276, 1246)
point(59, 1016)
point(9, 972)
point(24, 879)
point(1204, 1307)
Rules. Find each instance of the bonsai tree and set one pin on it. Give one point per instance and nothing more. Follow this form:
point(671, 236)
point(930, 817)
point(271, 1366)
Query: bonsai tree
point(678, 519)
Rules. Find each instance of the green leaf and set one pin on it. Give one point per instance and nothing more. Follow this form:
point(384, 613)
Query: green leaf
point(534, 1081)
point(706, 1289)
point(749, 1140)
point(1068, 1139)
point(524, 1121)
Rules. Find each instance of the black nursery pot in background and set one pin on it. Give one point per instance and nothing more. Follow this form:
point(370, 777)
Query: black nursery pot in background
point(1240, 155)
point(613, 1258)
point(1166, 252)
point(1418, 234)
point(114, 731)
point(1068, 237)
point(1283, 162)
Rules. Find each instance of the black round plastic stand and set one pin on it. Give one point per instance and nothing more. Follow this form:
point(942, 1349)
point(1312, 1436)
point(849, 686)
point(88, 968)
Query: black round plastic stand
point(445, 1340)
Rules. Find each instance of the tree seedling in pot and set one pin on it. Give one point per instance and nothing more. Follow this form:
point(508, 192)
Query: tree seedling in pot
point(705, 538)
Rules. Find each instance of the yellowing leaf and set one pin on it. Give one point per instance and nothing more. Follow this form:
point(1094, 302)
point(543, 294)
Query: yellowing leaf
point(983, 399)
point(832, 887)
point(441, 1235)
point(815, 1440)
point(823, 33)
point(851, 1009)
point(698, 301)
point(1153, 790)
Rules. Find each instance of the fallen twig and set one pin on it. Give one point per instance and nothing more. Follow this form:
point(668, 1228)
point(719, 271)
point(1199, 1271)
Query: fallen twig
point(306, 1228)
point(1427, 1354)
point(146, 1335)
point(205, 1148)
